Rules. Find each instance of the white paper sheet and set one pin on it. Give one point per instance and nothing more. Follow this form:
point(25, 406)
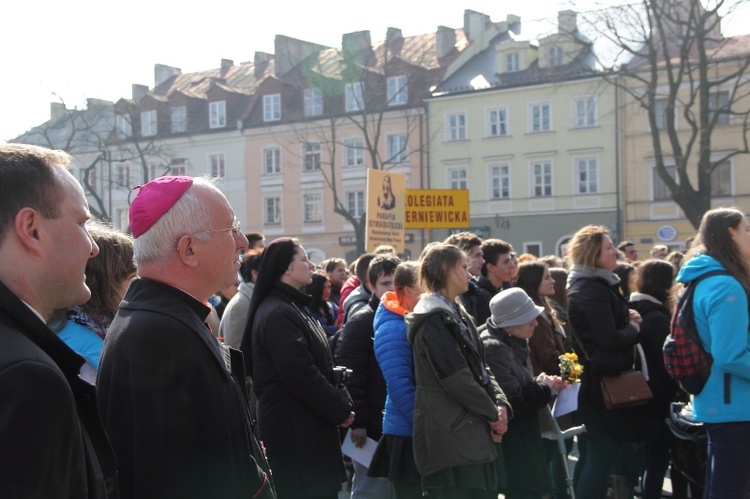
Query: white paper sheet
point(567, 400)
point(363, 455)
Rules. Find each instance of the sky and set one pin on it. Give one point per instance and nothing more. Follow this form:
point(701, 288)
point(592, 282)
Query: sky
point(66, 51)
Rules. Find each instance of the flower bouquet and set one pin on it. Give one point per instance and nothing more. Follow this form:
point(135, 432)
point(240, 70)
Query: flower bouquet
point(570, 369)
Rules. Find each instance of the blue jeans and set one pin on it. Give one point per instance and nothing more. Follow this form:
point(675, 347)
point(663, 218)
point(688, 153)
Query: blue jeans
point(728, 465)
point(601, 455)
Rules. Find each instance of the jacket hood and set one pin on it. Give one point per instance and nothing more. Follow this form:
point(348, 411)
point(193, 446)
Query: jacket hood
point(581, 272)
point(697, 266)
point(390, 302)
point(428, 305)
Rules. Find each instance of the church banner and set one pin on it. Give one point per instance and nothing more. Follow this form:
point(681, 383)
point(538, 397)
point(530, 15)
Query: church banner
point(386, 194)
point(437, 209)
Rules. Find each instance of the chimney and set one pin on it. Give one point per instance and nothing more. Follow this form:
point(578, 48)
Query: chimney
point(567, 22)
point(289, 52)
point(514, 24)
point(357, 47)
point(446, 41)
point(162, 73)
point(395, 40)
point(57, 110)
point(226, 64)
point(139, 91)
point(260, 62)
point(92, 103)
point(474, 24)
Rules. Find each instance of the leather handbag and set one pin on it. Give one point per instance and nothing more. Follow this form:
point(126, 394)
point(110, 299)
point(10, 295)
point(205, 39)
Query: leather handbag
point(629, 388)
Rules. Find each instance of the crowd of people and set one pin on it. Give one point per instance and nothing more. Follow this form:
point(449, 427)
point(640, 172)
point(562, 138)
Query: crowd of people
point(188, 359)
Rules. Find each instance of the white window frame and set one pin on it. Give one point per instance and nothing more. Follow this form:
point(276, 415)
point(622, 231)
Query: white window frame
point(354, 97)
point(354, 153)
point(149, 126)
point(123, 175)
point(659, 189)
point(499, 181)
point(719, 100)
point(512, 62)
point(355, 203)
point(178, 119)
point(217, 164)
point(584, 167)
point(271, 160)
point(92, 179)
point(123, 218)
point(397, 91)
point(124, 126)
point(271, 107)
point(660, 112)
point(585, 112)
point(272, 213)
point(456, 126)
point(542, 178)
point(312, 207)
point(555, 56)
point(311, 154)
point(217, 114)
point(178, 166)
point(398, 152)
point(458, 178)
point(538, 122)
point(728, 189)
point(497, 122)
point(527, 247)
point(313, 98)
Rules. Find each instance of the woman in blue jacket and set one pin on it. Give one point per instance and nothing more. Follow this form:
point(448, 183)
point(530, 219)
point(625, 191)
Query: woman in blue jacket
point(720, 305)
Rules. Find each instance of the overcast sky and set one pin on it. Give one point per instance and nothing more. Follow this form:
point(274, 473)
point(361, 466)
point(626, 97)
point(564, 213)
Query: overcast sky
point(76, 49)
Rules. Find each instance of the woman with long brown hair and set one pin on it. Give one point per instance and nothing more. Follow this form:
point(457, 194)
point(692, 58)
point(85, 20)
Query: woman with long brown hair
point(720, 307)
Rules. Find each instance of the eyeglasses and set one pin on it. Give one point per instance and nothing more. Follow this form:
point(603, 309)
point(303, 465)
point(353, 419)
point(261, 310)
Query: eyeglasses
point(235, 228)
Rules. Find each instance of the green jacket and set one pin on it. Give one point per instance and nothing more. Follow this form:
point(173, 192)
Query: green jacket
point(456, 394)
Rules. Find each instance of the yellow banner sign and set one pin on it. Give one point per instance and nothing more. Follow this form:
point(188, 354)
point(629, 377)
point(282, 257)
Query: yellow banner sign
point(386, 192)
point(437, 209)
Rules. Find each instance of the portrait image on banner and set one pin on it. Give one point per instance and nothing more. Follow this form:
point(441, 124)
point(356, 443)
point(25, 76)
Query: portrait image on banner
point(386, 195)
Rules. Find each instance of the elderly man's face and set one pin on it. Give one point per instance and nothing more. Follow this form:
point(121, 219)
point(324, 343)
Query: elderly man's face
point(69, 245)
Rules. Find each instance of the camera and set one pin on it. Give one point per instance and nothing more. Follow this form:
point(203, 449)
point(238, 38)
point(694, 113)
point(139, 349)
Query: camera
point(341, 375)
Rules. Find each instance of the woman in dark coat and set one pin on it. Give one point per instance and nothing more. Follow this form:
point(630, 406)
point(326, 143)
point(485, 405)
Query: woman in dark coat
point(653, 301)
point(320, 308)
point(506, 341)
point(300, 405)
point(605, 333)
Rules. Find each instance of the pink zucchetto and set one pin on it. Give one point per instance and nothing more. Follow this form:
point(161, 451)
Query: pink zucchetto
point(154, 199)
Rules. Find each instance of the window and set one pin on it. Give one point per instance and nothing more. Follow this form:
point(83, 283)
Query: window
point(123, 218)
point(541, 179)
point(721, 180)
point(217, 114)
point(660, 114)
point(555, 56)
point(457, 178)
point(153, 171)
point(313, 205)
point(178, 167)
point(272, 107)
point(541, 118)
point(313, 102)
point(92, 178)
point(123, 175)
point(511, 62)
point(355, 203)
point(124, 127)
point(148, 123)
point(354, 99)
point(355, 152)
point(178, 119)
point(397, 91)
point(587, 175)
point(456, 126)
point(533, 248)
point(500, 181)
point(584, 110)
point(311, 153)
point(497, 122)
point(397, 149)
point(719, 102)
point(272, 211)
point(661, 191)
point(271, 160)
point(217, 165)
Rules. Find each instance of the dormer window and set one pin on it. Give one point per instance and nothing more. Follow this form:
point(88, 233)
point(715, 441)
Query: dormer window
point(148, 123)
point(272, 107)
point(511, 62)
point(217, 112)
point(555, 56)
